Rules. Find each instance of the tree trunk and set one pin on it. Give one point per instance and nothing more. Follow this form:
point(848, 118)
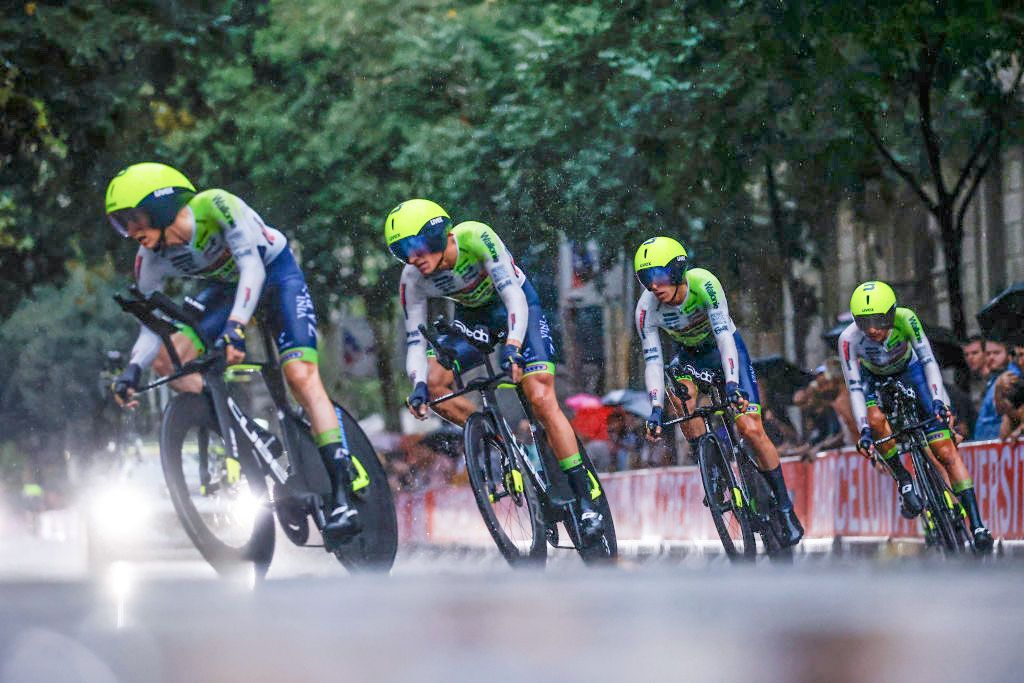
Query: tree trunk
point(952, 236)
point(382, 324)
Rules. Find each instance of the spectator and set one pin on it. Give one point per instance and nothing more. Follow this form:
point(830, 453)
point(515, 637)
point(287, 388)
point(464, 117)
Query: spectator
point(1011, 391)
point(829, 387)
point(997, 361)
point(624, 437)
point(974, 356)
point(822, 429)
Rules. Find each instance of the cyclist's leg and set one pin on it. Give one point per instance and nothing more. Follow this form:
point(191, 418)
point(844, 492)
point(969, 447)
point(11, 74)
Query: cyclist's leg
point(538, 386)
point(691, 428)
point(441, 381)
point(216, 301)
point(292, 321)
point(751, 428)
point(940, 441)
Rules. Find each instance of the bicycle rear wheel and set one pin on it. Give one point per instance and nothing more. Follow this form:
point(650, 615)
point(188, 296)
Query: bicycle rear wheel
point(506, 498)
point(221, 503)
point(725, 499)
point(373, 548)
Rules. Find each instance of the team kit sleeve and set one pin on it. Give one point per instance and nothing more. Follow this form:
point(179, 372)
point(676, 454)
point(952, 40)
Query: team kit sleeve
point(150, 275)
point(850, 360)
point(650, 341)
point(240, 232)
point(721, 326)
point(498, 264)
point(414, 308)
point(925, 356)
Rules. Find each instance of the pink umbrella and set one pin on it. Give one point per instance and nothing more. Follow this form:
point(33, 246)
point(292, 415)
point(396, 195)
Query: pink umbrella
point(583, 401)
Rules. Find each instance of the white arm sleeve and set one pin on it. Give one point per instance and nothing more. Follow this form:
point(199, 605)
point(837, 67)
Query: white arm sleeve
point(722, 327)
point(503, 275)
point(850, 360)
point(414, 307)
point(150, 273)
point(932, 372)
point(240, 231)
point(654, 364)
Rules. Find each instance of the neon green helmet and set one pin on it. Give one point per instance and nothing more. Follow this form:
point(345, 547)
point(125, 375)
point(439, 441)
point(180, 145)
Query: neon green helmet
point(154, 190)
point(873, 304)
point(416, 227)
point(660, 260)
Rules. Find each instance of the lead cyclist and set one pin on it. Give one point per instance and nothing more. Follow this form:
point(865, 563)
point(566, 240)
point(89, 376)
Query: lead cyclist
point(689, 304)
point(215, 236)
point(469, 264)
point(887, 340)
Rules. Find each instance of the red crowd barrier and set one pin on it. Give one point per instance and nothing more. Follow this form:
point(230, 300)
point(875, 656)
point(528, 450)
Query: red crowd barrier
point(836, 494)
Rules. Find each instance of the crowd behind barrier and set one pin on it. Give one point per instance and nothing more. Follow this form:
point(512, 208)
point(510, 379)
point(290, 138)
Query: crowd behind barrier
point(837, 493)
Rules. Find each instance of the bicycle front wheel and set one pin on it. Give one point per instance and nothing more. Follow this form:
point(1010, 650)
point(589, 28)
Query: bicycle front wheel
point(506, 498)
point(221, 502)
point(940, 505)
point(725, 500)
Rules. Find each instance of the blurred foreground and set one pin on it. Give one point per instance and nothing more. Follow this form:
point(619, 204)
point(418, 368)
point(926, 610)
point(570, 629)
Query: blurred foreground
point(448, 616)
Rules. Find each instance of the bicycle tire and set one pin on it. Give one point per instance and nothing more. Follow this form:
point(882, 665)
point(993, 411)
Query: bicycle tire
point(606, 548)
point(714, 467)
point(375, 546)
point(933, 487)
point(520, 510)
point(184, 413)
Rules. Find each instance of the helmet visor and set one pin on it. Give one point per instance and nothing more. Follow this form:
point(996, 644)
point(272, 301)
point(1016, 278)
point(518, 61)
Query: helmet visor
point(878, 321)
point(122, 219)
point(430, 240)
point(672, 274)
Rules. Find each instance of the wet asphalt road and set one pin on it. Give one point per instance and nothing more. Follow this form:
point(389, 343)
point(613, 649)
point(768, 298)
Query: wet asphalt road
point(450, 617)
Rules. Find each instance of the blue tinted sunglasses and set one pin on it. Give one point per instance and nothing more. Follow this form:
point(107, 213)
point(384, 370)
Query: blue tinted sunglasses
point(432, 239)
point(672, 274)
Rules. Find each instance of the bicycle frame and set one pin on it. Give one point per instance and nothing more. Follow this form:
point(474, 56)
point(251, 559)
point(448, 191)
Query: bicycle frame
point(553, 492)
point(212, 366)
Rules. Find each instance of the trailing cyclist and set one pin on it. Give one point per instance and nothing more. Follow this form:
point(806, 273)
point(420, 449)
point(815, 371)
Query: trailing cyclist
point(469, 264)
point(886, 340)
point(214, 235)
point(690, 305)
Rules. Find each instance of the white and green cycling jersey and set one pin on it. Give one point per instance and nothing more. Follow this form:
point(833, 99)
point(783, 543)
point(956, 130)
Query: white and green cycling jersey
point(484, 274)
point(702, 318)
point(229, 243)
point(905, 343)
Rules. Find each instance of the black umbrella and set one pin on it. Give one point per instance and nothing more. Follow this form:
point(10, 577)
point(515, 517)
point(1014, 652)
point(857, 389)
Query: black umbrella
point(778, 376)
point(947, 347)
point(831, 338)
point(1002, 319)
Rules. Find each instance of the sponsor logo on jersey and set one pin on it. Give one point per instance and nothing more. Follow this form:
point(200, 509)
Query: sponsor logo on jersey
point(222, 204)
point(489, 243)
point(291, 355)
point(712, 297)
point(916, 327)
point(401, 298)
point(643, 317)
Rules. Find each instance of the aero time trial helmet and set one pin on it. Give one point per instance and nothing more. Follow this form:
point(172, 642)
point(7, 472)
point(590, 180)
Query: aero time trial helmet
point(153, 190)
point(873, 304)
point(416, 227)
point(660, 260)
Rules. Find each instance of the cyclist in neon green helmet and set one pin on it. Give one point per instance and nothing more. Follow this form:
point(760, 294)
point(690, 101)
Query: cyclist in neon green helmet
point(215, 236)
point(689, 305)
point(469, 264)
point(886, 339)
